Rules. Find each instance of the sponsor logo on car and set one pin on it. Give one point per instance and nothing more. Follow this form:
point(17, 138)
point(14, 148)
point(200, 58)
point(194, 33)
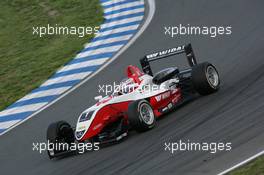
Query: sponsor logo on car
point(176, 98)
point(165, 52)
point(162, 96)
point(81, 128)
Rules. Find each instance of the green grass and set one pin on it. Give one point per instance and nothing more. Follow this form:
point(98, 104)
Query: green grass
point(255, 167)
point(26, 60)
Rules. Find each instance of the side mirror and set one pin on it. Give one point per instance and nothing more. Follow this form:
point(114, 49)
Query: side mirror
point(98, 98)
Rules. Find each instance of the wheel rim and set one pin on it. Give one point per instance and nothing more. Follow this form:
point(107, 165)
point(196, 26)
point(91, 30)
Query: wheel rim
point(212, 76)
point(146, 113)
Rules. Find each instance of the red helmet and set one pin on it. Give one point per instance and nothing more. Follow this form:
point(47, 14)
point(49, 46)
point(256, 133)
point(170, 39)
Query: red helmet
point(134, 73)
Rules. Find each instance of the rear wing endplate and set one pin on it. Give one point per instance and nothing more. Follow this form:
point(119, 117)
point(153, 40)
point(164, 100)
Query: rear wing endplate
point(187, 49)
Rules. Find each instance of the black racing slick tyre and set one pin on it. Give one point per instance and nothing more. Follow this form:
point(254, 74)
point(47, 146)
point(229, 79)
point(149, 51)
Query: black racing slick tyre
point(205, 78)
point(165, 75)
point(141, 115)
point(59, 132)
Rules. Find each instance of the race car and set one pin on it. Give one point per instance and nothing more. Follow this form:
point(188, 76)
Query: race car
point(139, 100)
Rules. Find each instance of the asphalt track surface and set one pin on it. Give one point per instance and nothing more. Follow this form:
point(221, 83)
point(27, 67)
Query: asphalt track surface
point(234, 114)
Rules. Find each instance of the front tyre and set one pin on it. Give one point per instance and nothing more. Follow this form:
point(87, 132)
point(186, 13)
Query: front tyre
point(59, 133)
point(141, 116)
point(205, 78)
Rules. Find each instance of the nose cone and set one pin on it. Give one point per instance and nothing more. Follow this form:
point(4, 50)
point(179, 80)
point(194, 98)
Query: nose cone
point(84, 122)
point(90, 123)
point(81, 129)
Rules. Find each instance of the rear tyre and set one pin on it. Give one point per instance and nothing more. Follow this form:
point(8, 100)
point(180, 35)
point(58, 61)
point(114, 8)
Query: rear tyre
point(141, 116)
point(59, 132)
point(205, 78)
point(164, 75)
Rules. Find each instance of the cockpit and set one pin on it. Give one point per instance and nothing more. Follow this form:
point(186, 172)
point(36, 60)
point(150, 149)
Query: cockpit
point(126, 86)
point(130, 83)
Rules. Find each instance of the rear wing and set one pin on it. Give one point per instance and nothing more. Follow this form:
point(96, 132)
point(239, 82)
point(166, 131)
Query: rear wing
point(187, 49)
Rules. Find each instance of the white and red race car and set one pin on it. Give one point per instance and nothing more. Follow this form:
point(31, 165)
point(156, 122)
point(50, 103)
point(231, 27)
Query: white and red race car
point(139, 100)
